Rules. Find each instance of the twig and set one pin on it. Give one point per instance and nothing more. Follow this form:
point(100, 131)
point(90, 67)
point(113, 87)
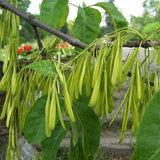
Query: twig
point(43, 53)
point(145, 44)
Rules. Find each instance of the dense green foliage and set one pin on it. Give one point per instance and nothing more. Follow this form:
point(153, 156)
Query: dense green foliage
point(150, 16)
point(45, 90)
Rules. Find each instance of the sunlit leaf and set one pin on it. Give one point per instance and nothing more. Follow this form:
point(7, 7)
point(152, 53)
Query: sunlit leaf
point(44, 67)
point(86, 26)
point(54, 12)
point(117, 18)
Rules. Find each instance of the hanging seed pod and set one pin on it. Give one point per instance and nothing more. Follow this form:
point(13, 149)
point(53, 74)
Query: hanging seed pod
point(48, 131)
point(82, 76)
point(5, 79)
point(16, 141)
point(116, 65)
point(156, 88)
point(77, 75)
point(71, 85)
point(135, 114)
point(25, 88)
point(46, 86)
point(12, 136)
point(123, 102)
point(7, 56)
point(138, 81)
point(52, 110)
point(10, 112)
point(119, 76)
point(41, 84)
point(129, 62)
point(96, 69)
point(59, 110)
point(4, 110)
point(96, 86)
point(33, 88)
point(14, 81)
point(106, 92)
point(14, 26)
point(87, 78)
point(67, 101)
point(59, 72)
point(110, 104)
point(128, 105)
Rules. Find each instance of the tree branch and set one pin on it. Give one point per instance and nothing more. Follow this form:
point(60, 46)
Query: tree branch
point(34, 22)
point(145, 44)
point(43, 53)
point(73, 41)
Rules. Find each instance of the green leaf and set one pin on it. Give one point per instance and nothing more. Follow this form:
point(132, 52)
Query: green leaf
point(50, 145)
point(72, 149)
point(76, 126)
point(86, 26)
point(44, 67)
point(54, 12)
point(76, 152)
point(34, 126)
point(90, 127)
point(62, 20)
point(76, 130)
point(117, 18)
point(147, 136)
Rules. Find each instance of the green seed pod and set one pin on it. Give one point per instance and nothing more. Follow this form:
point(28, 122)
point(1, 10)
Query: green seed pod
point(82, 76)
point(59, 109)
point(9, 114)
point(96, 88)
point(4, 110)
point(47, 130)
point(116, 66)
point(14, 26)
point(5, 79)
point(5, 64)
point(67, 101)
point(138, 81)
point(14, 81)
point(87, 78)
point(156, 88)
point(52, 111)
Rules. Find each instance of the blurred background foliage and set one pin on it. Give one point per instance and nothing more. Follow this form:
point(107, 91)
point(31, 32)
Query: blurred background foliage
point(147, 23)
